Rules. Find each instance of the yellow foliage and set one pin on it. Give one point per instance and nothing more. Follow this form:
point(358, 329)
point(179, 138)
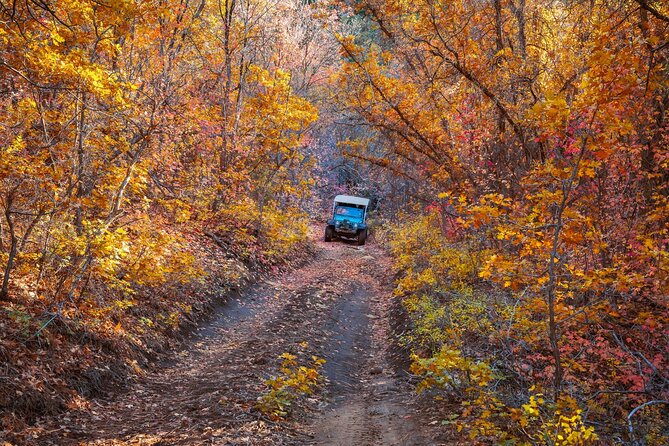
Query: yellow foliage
point(562, 426)
point(450, 368)
point(294, 381)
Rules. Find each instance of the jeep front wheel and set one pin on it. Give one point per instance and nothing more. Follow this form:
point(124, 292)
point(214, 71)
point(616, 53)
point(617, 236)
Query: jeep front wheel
point(362, 237)
point(329, 232)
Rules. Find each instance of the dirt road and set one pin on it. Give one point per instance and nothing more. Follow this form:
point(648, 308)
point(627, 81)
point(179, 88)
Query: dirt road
point(336, 307)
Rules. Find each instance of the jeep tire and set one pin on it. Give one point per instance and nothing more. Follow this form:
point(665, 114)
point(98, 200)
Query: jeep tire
point(329, 233)
point(362, 237)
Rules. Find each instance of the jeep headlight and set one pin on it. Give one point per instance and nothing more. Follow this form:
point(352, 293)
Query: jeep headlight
point(355, 225)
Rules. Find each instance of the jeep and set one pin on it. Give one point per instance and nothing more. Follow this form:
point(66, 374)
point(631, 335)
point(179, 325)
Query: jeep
point(348, 219)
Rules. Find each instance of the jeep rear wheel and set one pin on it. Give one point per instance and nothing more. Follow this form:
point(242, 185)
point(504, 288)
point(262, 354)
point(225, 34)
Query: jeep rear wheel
point(362, 237)
point(329, 232)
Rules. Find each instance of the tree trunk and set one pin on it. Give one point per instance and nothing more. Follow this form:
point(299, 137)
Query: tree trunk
point(519, 13)
point(81, 161)
point(226, 11)
point(499, 46)
point(14, 242)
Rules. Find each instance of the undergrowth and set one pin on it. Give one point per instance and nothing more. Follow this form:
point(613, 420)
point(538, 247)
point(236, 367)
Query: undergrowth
point(291, 383)
point(56, 356)
point(482, 346)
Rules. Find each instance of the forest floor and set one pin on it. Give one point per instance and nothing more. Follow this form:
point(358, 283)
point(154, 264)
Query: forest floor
point(336, 307)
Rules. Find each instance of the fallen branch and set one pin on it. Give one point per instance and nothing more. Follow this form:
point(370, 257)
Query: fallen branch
point(219, 241)
point(638, 408)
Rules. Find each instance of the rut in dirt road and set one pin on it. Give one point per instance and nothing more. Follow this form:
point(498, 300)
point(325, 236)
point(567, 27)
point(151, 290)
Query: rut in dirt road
point(368, 405)
point(335, 307)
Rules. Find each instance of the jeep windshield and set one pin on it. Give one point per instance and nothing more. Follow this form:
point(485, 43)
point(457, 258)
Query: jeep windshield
point(348, 213)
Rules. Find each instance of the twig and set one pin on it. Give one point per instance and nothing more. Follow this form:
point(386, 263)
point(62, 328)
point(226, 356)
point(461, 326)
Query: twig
point(220, 242)
point(639, 355)
point(638, 408)
point(279, 424)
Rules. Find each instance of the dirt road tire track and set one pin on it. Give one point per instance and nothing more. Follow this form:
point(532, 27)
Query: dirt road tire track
point(336, 307)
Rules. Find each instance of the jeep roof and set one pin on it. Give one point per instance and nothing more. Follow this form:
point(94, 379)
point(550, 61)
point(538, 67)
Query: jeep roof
point(349, 199)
